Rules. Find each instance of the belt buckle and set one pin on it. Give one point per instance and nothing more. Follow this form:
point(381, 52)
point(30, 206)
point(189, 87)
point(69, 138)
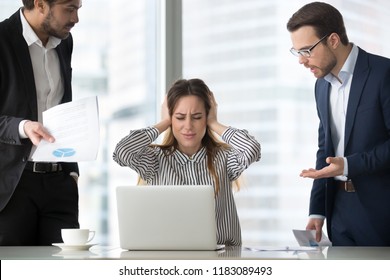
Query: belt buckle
point(35, 168)
point(347, 189)
point(55, 167)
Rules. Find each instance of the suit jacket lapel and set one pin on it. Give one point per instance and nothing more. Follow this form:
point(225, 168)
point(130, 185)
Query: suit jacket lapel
point(360, 76)
point(65, 75)
point(324, 109)
point(24, 61)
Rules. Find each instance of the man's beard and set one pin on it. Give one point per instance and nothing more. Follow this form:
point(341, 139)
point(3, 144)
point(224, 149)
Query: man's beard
point(328, 69)
point(50, 30)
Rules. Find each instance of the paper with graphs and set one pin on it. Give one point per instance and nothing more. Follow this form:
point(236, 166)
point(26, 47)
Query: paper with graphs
point(75, 127)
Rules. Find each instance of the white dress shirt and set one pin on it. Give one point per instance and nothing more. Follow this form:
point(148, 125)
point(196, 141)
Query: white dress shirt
point(47, 73)
point(339, 94)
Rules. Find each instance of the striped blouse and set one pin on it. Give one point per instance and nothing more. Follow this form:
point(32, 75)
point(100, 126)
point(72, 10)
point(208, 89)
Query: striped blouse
point(157, 168)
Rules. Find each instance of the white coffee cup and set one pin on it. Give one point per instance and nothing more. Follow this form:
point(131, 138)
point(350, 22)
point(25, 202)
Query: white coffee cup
point(77, 236)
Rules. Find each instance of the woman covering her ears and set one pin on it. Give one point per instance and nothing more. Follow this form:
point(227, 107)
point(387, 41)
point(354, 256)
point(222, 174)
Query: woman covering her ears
point(191, 153)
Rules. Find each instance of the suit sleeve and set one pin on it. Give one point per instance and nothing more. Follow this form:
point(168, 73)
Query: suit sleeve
point(370, 154)
point(318, 191)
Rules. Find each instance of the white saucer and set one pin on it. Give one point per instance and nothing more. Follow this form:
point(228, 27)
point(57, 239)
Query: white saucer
point(81, 247)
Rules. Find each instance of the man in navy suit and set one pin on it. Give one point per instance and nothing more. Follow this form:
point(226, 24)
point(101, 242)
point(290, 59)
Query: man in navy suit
point(37, 199)
point(351, 187)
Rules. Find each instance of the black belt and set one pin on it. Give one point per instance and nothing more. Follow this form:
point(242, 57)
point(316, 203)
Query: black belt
point(346, 186)
point(43, 167)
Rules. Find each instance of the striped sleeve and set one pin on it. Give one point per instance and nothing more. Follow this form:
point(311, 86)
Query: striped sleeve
point(245, 151)
point(134, 151)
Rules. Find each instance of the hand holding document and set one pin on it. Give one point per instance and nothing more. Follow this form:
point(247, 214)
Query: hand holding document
point(308, 238)
point(75, 127)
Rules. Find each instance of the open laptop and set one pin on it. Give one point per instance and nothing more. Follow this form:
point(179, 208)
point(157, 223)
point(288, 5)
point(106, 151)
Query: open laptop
point(166, 218)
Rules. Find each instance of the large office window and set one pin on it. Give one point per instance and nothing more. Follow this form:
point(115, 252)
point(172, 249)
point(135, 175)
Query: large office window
point(127, 52)
point(240, 48)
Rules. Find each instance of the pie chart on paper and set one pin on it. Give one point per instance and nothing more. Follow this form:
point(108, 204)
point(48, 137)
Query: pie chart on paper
point(64, 152)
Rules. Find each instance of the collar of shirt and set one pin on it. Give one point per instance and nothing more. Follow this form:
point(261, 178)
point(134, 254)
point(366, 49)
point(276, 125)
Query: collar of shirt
point(31, 37)
point(347, 70)
point(198, 157)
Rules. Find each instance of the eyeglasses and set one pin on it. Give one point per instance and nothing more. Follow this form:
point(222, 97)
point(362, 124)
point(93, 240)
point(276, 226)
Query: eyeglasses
point(306, 52)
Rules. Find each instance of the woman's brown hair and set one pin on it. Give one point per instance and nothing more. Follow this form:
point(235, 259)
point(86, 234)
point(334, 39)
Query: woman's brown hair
point(198, 88)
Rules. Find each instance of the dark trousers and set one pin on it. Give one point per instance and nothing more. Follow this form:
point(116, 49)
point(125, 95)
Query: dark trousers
point(350, 223)
point(42, 204)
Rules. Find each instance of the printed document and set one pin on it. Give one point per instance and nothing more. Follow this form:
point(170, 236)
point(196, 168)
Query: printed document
point(75, 127)
point(308, 238)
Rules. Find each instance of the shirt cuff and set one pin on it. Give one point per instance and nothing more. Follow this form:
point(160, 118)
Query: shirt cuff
point(345, 172)
point(22, 134)
point(315, 216)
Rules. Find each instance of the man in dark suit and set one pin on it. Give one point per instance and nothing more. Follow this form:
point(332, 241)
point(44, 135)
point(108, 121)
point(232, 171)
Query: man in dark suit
point(36, 199)
point(351, 187)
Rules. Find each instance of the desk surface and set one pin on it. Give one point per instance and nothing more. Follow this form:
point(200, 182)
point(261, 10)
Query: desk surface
point(110, 252)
